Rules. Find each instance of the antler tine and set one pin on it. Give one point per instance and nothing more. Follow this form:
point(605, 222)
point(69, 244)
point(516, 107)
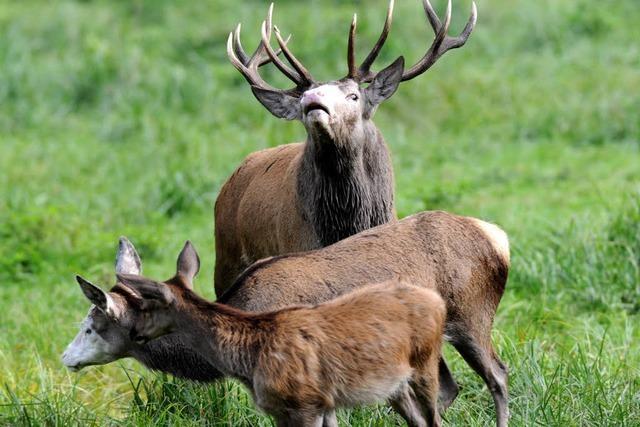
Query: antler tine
point(364, 70)
point(247, 69)
point(265, 58)
point(468, 28)
point(248, 66)
point(444, 28)
point(266, 37)
point(233, 57)
point(237, 46)
point(434, 20)
point(302, 71)
point(351, 49)
point(259, 57)
point(442, 42)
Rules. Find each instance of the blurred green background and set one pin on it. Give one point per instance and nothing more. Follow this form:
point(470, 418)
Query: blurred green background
point(125, 118)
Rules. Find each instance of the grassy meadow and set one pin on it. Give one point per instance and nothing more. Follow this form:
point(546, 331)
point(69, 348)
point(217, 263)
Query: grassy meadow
point(125, 117)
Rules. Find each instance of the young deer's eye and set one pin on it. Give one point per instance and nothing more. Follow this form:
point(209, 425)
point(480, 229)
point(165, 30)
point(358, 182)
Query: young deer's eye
point(141, 340)
point(352, 97)
point(88, 331)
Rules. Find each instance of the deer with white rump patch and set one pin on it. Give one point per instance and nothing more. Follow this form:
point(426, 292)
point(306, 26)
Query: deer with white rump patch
point(464, 259)
point(381, 342)
point(338, 182)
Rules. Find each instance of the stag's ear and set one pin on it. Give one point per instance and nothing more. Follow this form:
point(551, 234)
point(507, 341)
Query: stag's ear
point(152, 294)
point(279, 104)
point(127, 259)
point(383, 86)
point(98, 297)
point(188, 264)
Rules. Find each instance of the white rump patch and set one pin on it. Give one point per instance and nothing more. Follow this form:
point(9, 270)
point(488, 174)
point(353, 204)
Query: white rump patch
point(496, 236)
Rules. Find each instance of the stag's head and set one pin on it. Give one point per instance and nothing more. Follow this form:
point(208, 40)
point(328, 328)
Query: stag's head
point(134, 311)
point(345, 105)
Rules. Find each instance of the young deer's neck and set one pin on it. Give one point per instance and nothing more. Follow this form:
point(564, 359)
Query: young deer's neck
point(229, 339)
point(345, 182)
point(174, 355)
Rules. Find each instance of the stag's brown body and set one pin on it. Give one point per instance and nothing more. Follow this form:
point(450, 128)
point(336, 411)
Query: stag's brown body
point(274, 203)
point(301, 363)
point(464, 259)
point(339, 181)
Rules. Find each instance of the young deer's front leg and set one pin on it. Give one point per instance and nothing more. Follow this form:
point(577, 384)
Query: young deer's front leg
point(330, 418)
point(303, 419)
point(404, 403)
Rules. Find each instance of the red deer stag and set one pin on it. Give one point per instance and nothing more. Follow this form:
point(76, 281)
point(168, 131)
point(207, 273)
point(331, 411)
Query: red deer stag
point(303, 196)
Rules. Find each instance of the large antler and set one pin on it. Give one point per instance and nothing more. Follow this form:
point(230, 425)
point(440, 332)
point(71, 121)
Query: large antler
point(441, 43)
point(264, 53)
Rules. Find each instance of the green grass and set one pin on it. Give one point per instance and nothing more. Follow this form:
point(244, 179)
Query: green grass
point(125, 118)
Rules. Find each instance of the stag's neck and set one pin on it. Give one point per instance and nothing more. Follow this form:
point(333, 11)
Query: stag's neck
point(338, 152)
point(345, 184)
point(229, 339)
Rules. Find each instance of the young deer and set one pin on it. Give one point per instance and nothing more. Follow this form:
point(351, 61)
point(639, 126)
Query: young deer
point(338, 182)
point(466, 260)
point(381, 342)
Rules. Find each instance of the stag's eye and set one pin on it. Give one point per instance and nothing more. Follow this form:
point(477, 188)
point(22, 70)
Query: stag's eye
point(352, 97)
point(88, 331)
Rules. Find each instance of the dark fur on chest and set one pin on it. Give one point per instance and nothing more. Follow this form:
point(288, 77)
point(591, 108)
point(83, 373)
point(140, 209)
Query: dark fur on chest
point(169, 354)
point(343, 190)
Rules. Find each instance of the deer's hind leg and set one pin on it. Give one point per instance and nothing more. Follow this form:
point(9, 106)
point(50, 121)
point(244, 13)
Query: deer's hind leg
point(476, 349)
point(449, 388)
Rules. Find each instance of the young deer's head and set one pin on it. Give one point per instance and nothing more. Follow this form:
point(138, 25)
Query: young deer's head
point(340, 107)
point(134, 311)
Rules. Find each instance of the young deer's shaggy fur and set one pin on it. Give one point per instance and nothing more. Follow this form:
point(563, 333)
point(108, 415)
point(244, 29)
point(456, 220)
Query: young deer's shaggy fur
point(338, 182)
point(380, 342)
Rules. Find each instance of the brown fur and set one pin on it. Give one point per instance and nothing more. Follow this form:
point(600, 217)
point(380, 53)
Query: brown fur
point(262, 177)
point(302, 362)
point(450, 254)
point(269, 205)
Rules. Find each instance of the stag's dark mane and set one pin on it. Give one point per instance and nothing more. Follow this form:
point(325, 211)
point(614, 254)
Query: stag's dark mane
point(346, 186)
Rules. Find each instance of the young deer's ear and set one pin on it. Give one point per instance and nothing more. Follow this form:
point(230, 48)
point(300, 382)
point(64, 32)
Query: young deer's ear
point(152, 294)
point(98, 297)
point(188, 264)
point(279, 104)
point(127, 259)
point(383, 86)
